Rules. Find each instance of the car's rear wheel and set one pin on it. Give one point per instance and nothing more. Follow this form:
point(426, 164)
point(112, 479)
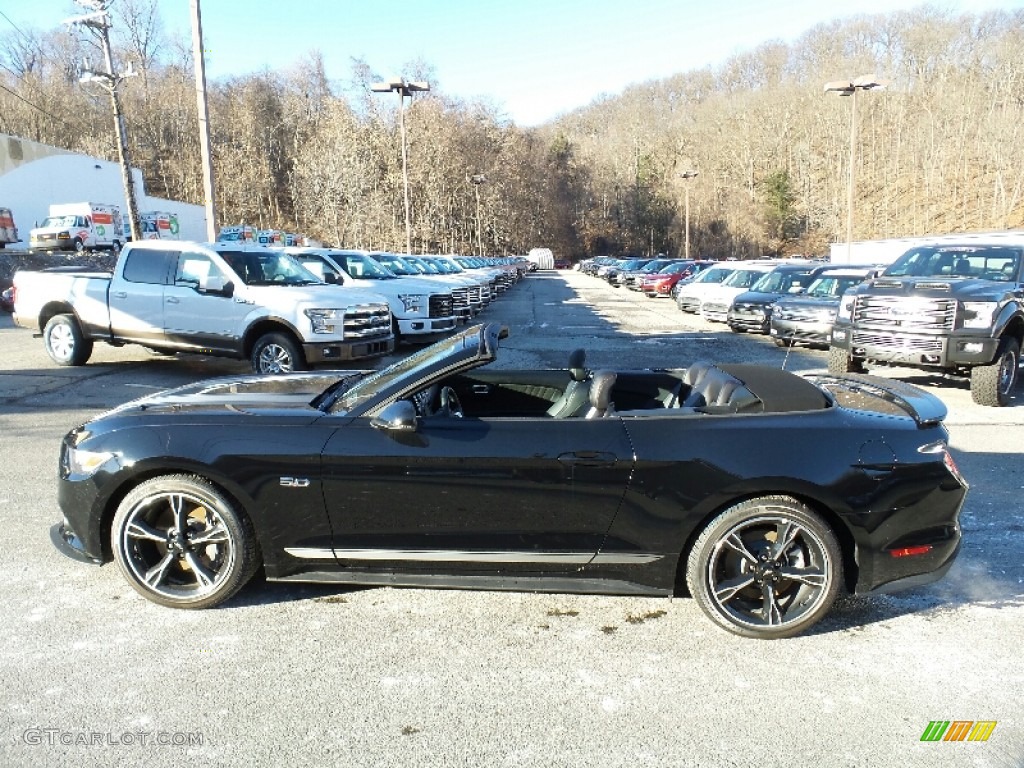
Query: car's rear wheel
point(65, 342)
point(993, 384)
point(277, 353)
point(766, 568)
point(181, 542)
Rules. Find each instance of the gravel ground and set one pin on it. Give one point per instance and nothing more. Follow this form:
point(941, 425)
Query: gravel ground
point(287, 675)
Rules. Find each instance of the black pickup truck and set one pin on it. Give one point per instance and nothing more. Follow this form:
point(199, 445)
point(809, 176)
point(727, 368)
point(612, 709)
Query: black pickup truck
point(954, 307)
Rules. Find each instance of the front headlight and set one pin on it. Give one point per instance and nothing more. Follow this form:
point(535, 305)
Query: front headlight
point(413, 302)
point(323, 320)
point(86, 462)
point(978, 314)
point(845, 311)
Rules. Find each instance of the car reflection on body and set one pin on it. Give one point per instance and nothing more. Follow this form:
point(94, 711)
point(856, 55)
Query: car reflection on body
point(443, 471)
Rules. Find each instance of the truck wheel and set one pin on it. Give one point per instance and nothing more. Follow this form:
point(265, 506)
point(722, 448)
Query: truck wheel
point(993, 384)
point(64, 341)
point(840, 362)
point(78, 245)
point(277, 353)
point(116, 247)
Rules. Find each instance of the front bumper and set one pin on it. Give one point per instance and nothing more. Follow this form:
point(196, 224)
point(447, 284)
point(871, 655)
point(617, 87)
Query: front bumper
point(802, 332)
point(928, 350)
point(426, 327)
point(336, 351)
point(68, 544)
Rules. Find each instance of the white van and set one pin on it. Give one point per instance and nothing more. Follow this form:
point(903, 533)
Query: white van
point(79, 227)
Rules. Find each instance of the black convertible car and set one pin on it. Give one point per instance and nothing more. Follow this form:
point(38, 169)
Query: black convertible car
point(762, 492)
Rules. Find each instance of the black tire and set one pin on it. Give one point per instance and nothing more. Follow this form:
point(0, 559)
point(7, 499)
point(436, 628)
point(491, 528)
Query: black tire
point(115, 248)
point(781, 342)
point(77, 245)
point(64, 341)
point(993, 384)
point(181, 542)
point(277, 353)
point(749, 583)
point(840, 362)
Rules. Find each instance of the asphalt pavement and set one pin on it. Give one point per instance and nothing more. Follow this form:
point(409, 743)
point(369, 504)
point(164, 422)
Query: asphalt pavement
point(286, 675)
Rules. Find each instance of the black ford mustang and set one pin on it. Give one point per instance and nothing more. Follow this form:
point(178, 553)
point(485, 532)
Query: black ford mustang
point(762, 492)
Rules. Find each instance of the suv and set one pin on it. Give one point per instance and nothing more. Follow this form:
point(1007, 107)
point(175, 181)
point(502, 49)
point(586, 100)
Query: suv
point(807, 317)
point(955, 307)
point(752, 310)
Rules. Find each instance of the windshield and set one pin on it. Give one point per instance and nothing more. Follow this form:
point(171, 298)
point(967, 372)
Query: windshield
point(780, 281)
point(59, 221)
point(268, 267)
point(742, 278)
point(412, 367)
point(833, 286)
point(395, 263)
point(986, 262)
point(714, 275)
point(676, 267)
point(361, 266)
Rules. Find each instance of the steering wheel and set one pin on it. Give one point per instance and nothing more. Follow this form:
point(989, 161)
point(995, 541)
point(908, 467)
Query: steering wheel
point(450, 405)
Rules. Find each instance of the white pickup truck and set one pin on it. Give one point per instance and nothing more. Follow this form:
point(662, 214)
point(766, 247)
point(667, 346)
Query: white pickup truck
point(228, 300)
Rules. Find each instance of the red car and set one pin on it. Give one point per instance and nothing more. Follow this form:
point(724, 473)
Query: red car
point(661, 283)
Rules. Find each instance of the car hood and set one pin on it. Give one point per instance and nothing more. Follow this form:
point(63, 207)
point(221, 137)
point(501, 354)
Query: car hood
point(809, 301)
point(963, 288)
point(319, 295)
point(291, 394)
point(757, 297)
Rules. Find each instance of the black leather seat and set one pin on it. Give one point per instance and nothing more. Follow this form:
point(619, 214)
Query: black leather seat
point(576, 394)
point(601, 395)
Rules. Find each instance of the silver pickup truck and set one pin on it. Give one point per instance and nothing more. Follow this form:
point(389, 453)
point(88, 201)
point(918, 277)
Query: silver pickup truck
point(246, 302)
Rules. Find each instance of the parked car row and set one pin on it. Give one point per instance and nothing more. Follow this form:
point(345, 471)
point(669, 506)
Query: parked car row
point(793, 300)
point(284, 309)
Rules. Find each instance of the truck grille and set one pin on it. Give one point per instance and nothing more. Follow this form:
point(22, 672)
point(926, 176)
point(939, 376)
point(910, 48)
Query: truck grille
point(922, 344)
point(441, 305)
point(906, 313)
point(367, 321)
point(460, 300)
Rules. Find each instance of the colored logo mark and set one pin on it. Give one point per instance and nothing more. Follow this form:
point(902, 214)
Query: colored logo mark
point(958, 730)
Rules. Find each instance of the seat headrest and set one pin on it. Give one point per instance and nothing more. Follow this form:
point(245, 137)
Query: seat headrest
point(578, 364)
point(601, 389)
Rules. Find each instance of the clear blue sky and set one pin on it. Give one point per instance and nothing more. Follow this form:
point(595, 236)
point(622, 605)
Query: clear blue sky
point(533, 59)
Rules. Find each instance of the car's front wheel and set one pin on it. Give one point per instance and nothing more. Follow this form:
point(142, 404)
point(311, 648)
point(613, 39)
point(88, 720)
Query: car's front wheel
point(993, 384)
point(839, 361)
point(277, 353)
point(181, 542)
point(766, 568)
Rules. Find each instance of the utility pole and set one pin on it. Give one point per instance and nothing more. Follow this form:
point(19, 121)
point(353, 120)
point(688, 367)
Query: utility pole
point(98, 22)
point(204, 122)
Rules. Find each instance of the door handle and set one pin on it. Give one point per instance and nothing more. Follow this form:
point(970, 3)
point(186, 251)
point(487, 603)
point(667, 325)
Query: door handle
point(172, 300)
point(588, 458)
point(120, 294)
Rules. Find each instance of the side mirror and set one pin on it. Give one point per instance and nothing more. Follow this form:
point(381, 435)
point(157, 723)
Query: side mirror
point(331, 279)
point(400, 416)
point(216, 283)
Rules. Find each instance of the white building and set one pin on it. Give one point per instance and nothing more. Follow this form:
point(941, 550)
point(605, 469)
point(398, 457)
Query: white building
point(34, 175)
point(873, 252)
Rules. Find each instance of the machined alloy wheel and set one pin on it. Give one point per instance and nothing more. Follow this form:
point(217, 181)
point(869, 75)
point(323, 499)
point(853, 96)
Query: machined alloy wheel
point(277, 353)
point(64, 341)
point(180, 542)
point(765, 568)
point(993, 384)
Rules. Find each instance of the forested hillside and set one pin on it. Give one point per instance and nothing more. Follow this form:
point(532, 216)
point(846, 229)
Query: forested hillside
point(938, 150)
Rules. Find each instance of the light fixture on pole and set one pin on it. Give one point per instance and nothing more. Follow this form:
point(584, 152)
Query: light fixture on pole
point(850, 88)
point(686, 176)
point(403, 88)
point(477, 179)
point(98, 22)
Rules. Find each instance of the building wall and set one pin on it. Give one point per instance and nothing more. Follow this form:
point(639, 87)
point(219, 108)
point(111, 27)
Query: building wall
point(33, 175)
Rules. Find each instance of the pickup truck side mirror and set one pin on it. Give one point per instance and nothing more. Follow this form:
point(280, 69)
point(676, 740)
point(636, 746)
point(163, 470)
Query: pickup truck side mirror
point(331, 279)
point(218, 284)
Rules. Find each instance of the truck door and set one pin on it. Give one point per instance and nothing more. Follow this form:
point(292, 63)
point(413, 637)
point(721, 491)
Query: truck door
point(137, 295)
point(195, 318)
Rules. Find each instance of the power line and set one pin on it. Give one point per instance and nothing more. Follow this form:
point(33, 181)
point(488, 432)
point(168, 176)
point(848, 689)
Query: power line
point(19, 97)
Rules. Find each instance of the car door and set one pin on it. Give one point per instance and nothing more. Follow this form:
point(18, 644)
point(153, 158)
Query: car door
point(515, 495)
point(198, 319)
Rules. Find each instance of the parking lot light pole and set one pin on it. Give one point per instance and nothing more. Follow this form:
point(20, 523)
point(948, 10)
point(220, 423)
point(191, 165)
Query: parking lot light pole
point(686, 176)
point(477, 179)
point(850, 88)
point(403, 88)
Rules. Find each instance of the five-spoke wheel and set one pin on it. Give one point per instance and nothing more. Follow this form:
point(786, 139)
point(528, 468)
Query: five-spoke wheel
point(765, 568)
point(182, 543)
